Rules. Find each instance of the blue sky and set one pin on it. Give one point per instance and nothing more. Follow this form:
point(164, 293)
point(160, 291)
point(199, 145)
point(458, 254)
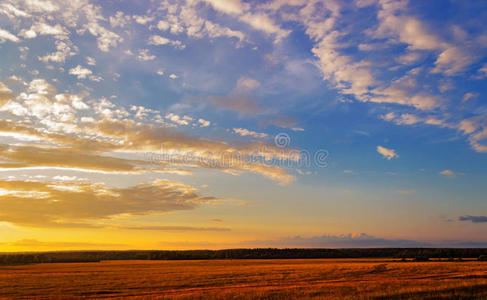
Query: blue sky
point(118, 119)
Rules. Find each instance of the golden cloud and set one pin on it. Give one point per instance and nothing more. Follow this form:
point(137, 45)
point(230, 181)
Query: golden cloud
point(58, 204)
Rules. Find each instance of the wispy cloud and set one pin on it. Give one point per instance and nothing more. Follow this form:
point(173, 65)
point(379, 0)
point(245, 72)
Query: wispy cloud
point(450, 173)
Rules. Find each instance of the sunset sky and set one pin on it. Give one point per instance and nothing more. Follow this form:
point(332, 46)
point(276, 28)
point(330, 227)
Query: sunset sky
point(230, 123)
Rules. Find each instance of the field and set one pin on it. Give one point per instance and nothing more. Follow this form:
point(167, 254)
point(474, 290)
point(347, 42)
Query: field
point(248, 279)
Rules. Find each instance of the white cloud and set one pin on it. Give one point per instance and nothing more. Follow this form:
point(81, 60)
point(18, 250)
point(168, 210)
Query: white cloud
point(90, 61)
point(28, 34)
point(204, 123)
point(5, 35)
point(227, 6)
point(173, 76)
point(177, 119)
point(143, 19)
point(41, 6)
point(263, 23)
point(41, 28)
point(387, 153)
point(119, 20)
point(12, 11)
point(246, 132)
point(160, 40)
point(144, 55)
point(184, 18)
point(80, 72)
point(95, 78)
point(87, 120)
point(106, 39)
point(63, 51)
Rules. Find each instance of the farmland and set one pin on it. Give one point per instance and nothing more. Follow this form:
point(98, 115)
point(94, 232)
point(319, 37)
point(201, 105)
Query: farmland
point(247, 279)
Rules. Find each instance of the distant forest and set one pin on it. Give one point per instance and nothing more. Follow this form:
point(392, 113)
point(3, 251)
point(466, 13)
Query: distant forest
point(265, 253)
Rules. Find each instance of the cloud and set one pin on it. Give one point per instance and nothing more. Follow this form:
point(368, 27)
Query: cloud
point(178, 120)
point(144, 55)
point(119, 20)
point(409, 58)
point(468, 96)
point(361, 240)
point(406, 29)
point(183, 17)
point(80, 72)
point(263, 23)
point(227, 6)
point(106, 39)
point(473, 219)
point(143, 19)
point(158, 40)
point(246, 132)
point(204, 123)
point(5, 94)
point(70, 140)
point(90, 61)
point(482, 72)
point(450, 173)
point(246, 84)
point(30, 157)
point(59, 204)
point(5, 35)
point(447, 173)
point(63, 51)
point(40, 6)
point(256, 20)
point(46, 29)
point(12, 12)
point(387, 153)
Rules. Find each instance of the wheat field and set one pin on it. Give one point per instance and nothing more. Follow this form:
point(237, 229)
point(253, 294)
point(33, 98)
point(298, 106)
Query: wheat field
point(247, 279)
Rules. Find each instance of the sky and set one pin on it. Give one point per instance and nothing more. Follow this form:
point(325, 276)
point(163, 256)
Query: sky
point(209, 124)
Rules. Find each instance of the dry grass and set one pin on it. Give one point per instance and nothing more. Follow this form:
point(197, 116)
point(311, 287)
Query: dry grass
point(248, 279)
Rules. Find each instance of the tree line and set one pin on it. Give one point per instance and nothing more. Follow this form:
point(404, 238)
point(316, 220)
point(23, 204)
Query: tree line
point(259, 253)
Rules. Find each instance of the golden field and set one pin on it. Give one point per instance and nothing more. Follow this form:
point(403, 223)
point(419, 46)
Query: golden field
point(247, 279)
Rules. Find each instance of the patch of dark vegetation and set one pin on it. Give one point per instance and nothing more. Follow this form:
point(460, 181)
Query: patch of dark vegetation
point(407, 254)
point(469, 292)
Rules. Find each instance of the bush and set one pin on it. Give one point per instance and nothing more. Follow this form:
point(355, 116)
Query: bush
point(483, 257)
